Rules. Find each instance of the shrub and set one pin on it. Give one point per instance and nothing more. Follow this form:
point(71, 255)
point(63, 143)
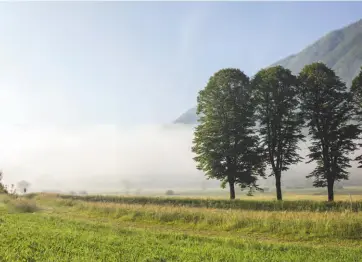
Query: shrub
point(22, 205)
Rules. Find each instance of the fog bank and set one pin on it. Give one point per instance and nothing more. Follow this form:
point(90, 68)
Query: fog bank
point(95, 157)
point(101, 158)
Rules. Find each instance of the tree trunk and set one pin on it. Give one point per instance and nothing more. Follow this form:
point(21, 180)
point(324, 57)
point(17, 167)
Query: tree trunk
point(278, 187)
point(232, 190)
point(330, 184)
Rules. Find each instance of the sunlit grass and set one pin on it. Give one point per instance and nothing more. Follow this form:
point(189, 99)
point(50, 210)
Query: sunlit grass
point(60, 229)
point(26, 237)
point(299, 204)
point(345, 224)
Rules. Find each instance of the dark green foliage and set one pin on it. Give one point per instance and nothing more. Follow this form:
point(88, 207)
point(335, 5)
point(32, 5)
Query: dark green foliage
point(277, 103)
point(225, 144)
point(328, 110)
point(356, 90)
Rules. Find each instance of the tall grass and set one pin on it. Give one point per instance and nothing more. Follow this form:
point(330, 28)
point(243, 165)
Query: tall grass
point(265, 205)
point(296, 224)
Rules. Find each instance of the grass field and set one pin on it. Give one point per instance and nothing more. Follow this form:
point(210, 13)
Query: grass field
point(45, 227)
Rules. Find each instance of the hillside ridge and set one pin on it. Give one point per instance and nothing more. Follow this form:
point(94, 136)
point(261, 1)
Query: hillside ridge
point(340, 49)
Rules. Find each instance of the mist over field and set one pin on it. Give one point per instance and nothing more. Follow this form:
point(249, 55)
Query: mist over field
point(100, 158)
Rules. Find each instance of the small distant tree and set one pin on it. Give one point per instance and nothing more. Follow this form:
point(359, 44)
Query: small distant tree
point(170, 193)
point(328, 110)
point(225, 145)
point(23, 186)
point(277, 104)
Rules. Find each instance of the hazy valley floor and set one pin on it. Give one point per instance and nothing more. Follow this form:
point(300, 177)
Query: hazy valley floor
point(49, 228)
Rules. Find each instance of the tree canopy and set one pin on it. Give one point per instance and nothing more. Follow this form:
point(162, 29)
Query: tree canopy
point(328, 110)
point(225, 143)
point(356, 90)
point(277, 104)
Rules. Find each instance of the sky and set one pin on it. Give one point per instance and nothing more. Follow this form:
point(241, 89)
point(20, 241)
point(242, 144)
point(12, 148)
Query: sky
point(137, 63)
point(87, 88)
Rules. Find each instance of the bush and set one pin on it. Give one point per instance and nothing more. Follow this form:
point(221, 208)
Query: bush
point(22, 205)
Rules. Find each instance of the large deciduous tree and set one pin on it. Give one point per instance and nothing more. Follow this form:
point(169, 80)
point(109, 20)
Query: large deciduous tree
point(277, 107)
point(356, 90)
point(225, 145)
point(328, 110)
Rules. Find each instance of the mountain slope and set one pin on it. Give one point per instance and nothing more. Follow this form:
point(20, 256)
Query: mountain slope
point(189, 117)
point(341, 50)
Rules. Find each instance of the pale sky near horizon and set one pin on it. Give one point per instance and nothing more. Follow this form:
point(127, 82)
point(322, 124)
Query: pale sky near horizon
point(136, 63)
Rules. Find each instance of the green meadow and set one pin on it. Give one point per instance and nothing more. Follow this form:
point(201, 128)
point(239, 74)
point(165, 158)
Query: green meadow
point(50, 227)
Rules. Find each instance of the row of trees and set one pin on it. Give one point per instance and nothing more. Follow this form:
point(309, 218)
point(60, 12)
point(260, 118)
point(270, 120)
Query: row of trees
point(247, 125)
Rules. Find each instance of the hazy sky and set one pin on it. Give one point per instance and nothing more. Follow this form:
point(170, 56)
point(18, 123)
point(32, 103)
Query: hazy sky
point(140, 63)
